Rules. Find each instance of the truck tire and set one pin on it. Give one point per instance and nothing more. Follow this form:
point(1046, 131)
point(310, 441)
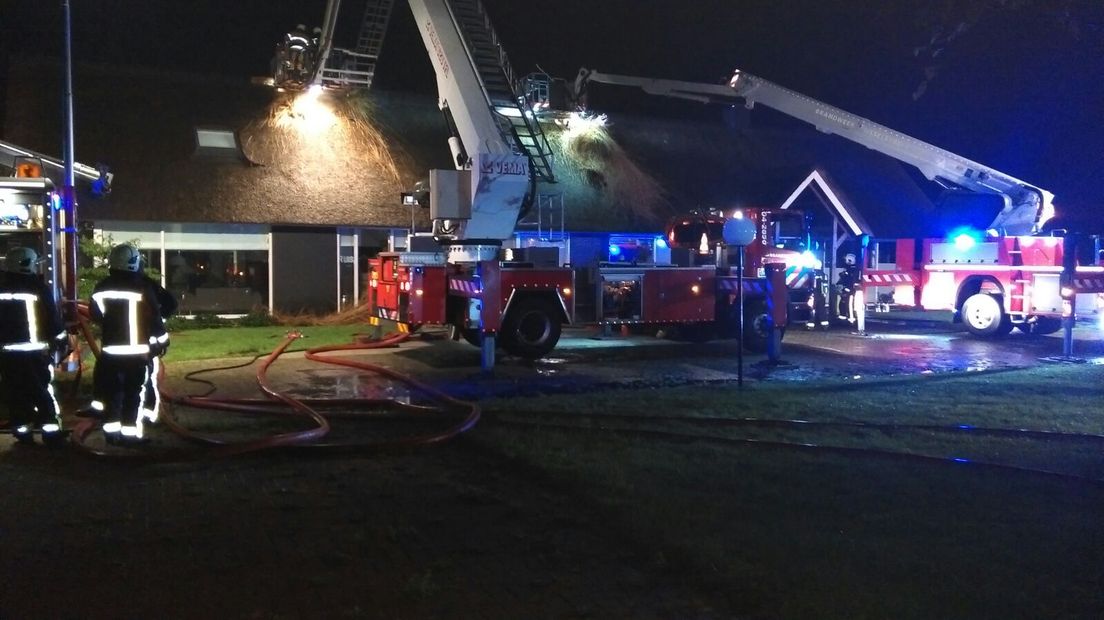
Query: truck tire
point(984, 317)
point(757, 327)
point(531, 328)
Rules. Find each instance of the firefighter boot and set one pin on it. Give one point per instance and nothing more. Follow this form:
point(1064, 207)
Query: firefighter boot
point(53, 439)
point(23, 437)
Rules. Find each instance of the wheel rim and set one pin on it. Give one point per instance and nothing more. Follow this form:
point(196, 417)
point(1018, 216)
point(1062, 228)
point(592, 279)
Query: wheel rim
point(982, 312)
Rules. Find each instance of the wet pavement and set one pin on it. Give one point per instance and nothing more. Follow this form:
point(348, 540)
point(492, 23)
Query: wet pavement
point(585, 361)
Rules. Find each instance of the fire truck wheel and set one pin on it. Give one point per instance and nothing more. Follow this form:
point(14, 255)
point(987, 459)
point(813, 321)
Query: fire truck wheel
point(531, 328)
point(757, 328)
point(983, 316)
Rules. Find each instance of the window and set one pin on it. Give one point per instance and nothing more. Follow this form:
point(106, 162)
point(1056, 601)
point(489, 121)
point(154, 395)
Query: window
point(215, 142)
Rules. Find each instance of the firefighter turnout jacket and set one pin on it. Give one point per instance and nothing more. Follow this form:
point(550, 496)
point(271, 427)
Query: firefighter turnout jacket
point(125, 305)
point(29, 316)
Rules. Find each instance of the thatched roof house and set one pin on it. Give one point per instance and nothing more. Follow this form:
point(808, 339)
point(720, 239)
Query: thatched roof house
point(222, 174)
point(633, 174)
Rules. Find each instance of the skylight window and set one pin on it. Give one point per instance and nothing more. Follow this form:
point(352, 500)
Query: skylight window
point(216, 139)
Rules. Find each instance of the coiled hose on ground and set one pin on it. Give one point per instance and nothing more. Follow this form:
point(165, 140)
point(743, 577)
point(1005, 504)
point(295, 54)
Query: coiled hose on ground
point(282, 404)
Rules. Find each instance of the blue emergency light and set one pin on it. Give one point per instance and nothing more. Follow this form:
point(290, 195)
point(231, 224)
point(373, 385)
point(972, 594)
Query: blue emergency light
point(964, 238)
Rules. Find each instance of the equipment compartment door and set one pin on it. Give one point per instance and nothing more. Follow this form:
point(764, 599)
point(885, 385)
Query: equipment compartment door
point(672, 295)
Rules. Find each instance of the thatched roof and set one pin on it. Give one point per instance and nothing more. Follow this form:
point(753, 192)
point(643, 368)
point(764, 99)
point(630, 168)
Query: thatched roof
point(633, 174)
point(143, 126)
point(715, 164)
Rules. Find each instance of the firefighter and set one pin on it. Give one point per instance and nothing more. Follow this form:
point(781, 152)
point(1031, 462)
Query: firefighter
point(31, 334)
point(126, 307)
point(845, 289)
point(297, 44)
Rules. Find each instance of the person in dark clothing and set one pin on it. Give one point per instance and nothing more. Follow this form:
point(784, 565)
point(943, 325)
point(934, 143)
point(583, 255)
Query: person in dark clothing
point(126, 308)
point(31, 334)
point(845, 287)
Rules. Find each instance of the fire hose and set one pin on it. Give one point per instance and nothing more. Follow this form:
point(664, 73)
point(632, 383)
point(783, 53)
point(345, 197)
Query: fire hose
point(278, 403)
point(282, 404)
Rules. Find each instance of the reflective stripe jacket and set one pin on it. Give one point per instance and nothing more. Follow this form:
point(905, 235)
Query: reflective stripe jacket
point(125, 305)
point(29, 317)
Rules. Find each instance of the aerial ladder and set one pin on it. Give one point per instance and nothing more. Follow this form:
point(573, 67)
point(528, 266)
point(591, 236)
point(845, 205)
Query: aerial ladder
point(455, 275)
point(1008, 277)
point(495, 135)
point(355, 67)
point(1024, 209)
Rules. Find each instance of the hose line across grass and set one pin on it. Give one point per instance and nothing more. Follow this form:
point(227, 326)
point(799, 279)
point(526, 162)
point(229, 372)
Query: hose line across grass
point(279, 403)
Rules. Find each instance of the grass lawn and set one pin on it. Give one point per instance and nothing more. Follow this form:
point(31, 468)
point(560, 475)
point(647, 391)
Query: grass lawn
point(222, 342)
point(814, 533)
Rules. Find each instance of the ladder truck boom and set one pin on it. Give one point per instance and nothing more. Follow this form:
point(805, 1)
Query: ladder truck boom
point(499, 153)
point(497, 139)
point(478, 145)
point(499, 149)
point(1025, 207)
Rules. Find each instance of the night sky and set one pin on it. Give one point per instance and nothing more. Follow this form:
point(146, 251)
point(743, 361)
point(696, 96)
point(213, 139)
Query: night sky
point(1021, 90)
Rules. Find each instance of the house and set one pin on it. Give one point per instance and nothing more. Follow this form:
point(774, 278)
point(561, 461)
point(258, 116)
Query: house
point(242, 199)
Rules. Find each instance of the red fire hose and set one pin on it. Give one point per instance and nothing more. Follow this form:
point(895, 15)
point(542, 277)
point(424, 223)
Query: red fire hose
point(282, 404)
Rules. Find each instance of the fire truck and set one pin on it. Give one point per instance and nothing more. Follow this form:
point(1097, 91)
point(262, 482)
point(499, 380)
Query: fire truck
point(460, 275)
point(992, 277)
point(29, 203)
point(518, 299)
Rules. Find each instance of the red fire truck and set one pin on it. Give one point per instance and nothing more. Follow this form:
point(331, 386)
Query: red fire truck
point(993, 285)
point(1000, 276)
point(525, 305)
point(459, 275)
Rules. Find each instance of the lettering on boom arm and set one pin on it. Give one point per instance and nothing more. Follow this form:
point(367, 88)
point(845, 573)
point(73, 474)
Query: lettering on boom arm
point(438, 51)
point(504, 167)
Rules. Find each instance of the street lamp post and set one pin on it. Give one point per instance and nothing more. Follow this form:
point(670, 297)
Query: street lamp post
point(739, 231)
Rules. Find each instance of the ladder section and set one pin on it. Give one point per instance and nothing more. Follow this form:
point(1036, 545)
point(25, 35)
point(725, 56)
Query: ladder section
point(1020, 284)
point(500, 86)
point(547, 218)
point(358, 66)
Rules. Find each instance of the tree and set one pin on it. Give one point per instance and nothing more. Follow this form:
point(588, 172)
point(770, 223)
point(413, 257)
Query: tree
point(943, 25)
point(95, 252)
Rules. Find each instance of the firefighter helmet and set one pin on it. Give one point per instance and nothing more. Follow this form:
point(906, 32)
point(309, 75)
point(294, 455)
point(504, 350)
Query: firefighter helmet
point(21, 260)
point(124, 257)
point(849, 259)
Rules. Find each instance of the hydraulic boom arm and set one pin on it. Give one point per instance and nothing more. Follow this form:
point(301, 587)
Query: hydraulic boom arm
point(1026, 207)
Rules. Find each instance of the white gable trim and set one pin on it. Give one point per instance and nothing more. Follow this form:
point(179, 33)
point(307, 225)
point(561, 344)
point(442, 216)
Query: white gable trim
point(837, 205)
